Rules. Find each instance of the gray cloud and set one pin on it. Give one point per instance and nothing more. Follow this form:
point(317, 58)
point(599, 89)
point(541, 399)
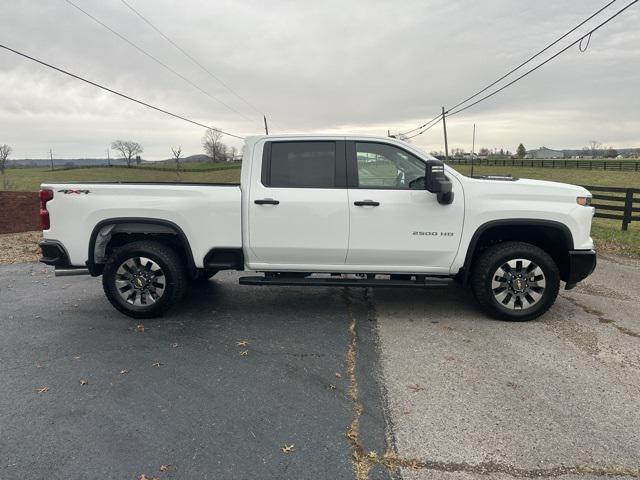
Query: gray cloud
point(359, 66)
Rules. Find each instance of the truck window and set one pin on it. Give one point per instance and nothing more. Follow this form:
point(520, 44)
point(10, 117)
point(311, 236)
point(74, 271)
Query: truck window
point(301, 165)
point(386, 166)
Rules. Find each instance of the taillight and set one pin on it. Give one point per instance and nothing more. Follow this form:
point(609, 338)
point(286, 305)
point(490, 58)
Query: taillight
point(45, 196)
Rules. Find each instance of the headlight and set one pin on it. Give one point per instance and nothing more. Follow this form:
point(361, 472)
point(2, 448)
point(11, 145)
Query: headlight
point(584, 201)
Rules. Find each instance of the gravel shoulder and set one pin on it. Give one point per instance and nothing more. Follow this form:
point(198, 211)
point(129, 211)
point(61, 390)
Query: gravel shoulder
point(553, 397)
point(19, 247)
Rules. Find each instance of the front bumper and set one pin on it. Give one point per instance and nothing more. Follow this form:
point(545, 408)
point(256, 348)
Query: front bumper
point(54, 253)
point(582, 263)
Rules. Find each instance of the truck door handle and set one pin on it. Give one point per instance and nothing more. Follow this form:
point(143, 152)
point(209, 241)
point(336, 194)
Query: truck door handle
point(366, 203)
point(266, 201)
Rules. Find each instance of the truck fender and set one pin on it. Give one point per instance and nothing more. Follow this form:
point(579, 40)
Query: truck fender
point(104, 230)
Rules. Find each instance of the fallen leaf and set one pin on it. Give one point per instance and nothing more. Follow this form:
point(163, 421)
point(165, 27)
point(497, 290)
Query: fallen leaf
point(123, 371)
point(244, 353)
point(83, 381)
point(288, 448)
point(242, 343)
point(164, 468)
point(338, 375)
point(140, 327)
point(156, 364)
point(416, 387)
point(42, 389)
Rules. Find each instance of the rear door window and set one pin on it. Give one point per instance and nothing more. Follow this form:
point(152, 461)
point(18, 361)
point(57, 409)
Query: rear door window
point(300, 165)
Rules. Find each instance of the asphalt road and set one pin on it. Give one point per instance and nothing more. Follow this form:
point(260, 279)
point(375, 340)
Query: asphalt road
point(182, 392)
point(428, 388)
point(556, 397)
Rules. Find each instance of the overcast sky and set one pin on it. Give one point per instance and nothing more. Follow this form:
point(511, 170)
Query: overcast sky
point(359, 66)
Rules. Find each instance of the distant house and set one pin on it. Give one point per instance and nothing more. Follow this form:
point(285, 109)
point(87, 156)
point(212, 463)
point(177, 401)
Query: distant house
point(544, 152)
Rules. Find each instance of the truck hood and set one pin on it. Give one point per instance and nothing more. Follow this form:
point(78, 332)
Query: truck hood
point(527, 185)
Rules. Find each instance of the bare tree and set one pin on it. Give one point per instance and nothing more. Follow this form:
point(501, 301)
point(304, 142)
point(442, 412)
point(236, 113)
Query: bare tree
point(222, 152)
point(177, 153)
point(233, 153)
point(5, 151)
point(212, 145)
point(128, 150)
point(594, 146)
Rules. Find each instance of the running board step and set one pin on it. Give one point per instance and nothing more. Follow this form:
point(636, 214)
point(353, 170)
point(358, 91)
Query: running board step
point(342, 282)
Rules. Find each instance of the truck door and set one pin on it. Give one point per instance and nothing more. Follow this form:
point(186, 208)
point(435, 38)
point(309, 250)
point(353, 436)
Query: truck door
point(298, 211)
point(394, 221)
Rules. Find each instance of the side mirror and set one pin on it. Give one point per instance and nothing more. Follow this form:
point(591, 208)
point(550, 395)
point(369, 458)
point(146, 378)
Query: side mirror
point(435, 181)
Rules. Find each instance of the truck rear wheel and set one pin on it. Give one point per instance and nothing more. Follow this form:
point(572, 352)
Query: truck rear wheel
point(144, 279)
point(515, 281)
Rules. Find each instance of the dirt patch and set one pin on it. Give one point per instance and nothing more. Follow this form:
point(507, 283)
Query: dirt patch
point(19, 247)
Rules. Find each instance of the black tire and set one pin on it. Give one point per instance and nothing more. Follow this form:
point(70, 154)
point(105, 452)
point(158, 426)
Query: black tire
point(494, 258)
point(174, 278)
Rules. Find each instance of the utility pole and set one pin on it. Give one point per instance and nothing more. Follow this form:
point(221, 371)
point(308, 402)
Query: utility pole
point(473, 147)
point(108, 158)
point(266, 127)
point(51, 157)
point(446, 143)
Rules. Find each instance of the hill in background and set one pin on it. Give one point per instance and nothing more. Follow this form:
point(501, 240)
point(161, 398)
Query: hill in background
point(94, 162)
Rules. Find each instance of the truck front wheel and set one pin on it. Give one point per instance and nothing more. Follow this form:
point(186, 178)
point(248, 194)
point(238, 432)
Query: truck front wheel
point(515, 281)
point(144, 279)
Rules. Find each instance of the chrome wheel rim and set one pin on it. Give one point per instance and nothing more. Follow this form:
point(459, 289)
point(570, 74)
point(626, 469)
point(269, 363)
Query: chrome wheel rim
point(518, 284)
point(140, 281)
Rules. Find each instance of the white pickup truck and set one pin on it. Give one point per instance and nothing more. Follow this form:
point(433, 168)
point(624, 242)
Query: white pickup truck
point(325, 211)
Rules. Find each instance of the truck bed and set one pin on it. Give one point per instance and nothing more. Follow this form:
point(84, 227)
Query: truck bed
point(208, 214)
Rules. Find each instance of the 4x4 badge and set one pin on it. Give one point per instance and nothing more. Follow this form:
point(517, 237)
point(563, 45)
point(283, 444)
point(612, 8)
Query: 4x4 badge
point(73, 190)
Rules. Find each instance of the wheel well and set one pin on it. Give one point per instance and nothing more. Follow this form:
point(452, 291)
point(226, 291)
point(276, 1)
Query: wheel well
point(552, 237)
point(111, 234)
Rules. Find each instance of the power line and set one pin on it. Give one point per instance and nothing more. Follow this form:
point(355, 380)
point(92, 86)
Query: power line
point(158, 61)
point(533, 57)
point(555, 42)
point(421, 126)
point(192, 59)
point(578, 41)
point(77, 77)
point(426, 129)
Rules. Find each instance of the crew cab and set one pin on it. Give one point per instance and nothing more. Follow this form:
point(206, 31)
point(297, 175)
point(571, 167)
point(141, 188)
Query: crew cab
point(325, 211)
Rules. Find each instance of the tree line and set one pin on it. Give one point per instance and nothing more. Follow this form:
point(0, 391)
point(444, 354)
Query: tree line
point(131, 151)
point(212, 145)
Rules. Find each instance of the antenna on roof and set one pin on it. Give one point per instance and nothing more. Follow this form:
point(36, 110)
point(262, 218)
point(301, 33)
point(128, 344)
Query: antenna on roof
point(266, 127)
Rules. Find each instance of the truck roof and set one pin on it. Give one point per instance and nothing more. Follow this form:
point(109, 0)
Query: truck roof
point(255, 138)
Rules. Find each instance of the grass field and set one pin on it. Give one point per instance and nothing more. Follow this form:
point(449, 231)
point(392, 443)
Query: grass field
point(29, 179)
point(606, 233)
